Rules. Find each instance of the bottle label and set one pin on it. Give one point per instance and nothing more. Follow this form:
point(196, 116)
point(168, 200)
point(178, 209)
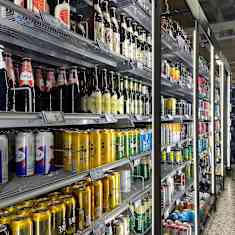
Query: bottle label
point(116, 43)
point(84, 104)
point(136, 106)
point(26, 79)
point(106, 103)
point(39, 6)
point(62, 12)
point(114, 104)
point(99, 31)
point(98, 102)
point(120, 103)
point(91, 103)
point(108, 36)
point(127, 106)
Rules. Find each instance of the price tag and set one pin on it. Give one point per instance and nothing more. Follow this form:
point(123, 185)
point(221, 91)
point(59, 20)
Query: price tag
point(168, 149)
point(96, 174)
point(99, 228)
point(53, 117)
point(110, 118)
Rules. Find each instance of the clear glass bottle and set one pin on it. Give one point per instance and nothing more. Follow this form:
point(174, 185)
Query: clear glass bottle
point(98, 27)
point(123, 35)
point(114, 98)
point(106, 96)
point(115, 28)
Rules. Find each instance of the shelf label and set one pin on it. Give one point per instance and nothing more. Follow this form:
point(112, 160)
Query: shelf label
point(99, 228)
point(110, 118)
point(52, 117)
point(131, 165)
point(96, 173)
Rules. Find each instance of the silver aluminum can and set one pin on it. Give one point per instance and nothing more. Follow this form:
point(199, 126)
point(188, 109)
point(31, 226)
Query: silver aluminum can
point(125, 181)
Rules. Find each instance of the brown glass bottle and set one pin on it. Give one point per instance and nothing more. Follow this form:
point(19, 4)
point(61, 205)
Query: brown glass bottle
point(3, 83)
point(61, 94)
point(84, 85)
point(115, 29)
point(106, 96)
point(97, 32)
point(131, 97)
point(129, 37)
point(126, 96)
point(73, 92)
point(120, 96)
point(123, 35)
point(39, 90)
point(50, 90)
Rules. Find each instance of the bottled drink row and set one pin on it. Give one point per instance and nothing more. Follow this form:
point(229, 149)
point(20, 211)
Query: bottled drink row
point(177, 155)
point(172, 106)
point(41, 152)
point(119, 34)
point(176, 73)
point(72, 90)
point(173, 133)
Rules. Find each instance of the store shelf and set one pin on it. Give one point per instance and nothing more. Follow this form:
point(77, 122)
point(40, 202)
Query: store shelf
point(177, 118)
point(169, 170)
point(175, 90)
point(179, 144)
point(44, 39)
point(23, 188)
point(178, 195)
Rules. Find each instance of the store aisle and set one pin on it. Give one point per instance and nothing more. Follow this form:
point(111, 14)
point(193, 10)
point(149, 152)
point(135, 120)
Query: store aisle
point(222, 222)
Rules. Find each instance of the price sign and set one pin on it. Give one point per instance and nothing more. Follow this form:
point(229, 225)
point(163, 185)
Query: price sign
point(53, 117)
point(96, 174)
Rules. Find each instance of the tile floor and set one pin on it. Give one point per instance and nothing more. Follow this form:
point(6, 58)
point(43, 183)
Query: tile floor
point(222, 222)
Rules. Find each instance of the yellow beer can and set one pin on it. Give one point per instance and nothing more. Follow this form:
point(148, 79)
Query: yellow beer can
point(21, 225)
point(67, 151)
point(106, 194)
point(112, 191)
point(98, 198)
point(106, 146)
point(95, 148)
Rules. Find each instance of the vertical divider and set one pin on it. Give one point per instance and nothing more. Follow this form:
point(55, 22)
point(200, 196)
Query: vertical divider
point(212, 116)
point(195, 125)
point(156, 81)
point(228, 162)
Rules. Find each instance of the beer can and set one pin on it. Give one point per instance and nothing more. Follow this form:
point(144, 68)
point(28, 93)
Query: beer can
point(67, 151)
point(84, 151)
point(25, 154)
point(106, 194)
point(113, 146)
point(106, 146)
point(29, 203)
point(59, 147)
point(41, 222)
point(95, 148)
point(139, 218)
point(21, 225)
point(178, 156)
point(70, 216)
point(54, 195)
point(87, 205)
point(126, 144)
point(24, 211)
point(76, 154)
point(137, 133)
point(125, 181)
point(131, 138)
point(68, 190)
point(44, 153)
point(98, 198)
point(92, 201)
point(142, 141)
point(6, 217)
point(3, 159)
point(119, 145)
point(126, 224)
point(112, 190)
point(145, 169)
point(58, 212)
point(78, 193)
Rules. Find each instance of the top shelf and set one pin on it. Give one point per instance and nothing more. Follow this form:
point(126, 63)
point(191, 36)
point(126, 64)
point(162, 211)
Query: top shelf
point(44, 39)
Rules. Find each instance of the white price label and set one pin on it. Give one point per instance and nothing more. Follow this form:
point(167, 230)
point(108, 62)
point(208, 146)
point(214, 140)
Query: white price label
point(53, 117)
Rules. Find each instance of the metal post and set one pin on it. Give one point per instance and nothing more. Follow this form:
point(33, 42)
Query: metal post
point(156, 81)
point(228, 121)
point(212, 133)
point(195, 125)
point(222, 99)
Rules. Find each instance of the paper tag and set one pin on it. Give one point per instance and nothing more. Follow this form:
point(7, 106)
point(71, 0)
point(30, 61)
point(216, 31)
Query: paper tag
point(96, 174)
point(53, 117)
point(168, 149)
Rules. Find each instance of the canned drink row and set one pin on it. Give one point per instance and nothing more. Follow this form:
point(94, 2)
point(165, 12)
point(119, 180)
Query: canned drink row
point(172, 133)
point(172, 106)
point(177, 155)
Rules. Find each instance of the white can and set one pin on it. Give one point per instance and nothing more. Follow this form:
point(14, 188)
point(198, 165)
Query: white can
point(44, 153)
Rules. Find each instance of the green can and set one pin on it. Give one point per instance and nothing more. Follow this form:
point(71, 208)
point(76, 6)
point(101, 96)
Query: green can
point(132, 143)
point(172, 156)
point(190, 152)
point(137, 133)
point(139, 218)
point(145, 169)
point(178, 156)
point(185, 154)
point(126, 144)
point(137, 168)
point(163, 160)
point(120, 152)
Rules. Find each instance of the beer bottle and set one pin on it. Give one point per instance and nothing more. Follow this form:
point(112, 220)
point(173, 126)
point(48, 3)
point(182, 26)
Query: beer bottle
point(120, 97)
point(62, 13)
point(61, 96)
point(136, 98)
point(106, 96)
point(150, 100)
point(108, 32)
point(50, 90)
point(129, 37)
point(26, 80)
point(95, 97)
point(80, 26)
point(98, 22)
point(114, 99)
point(141, 99)
point(73, 91)
point(84, 90)
point(126, 96)
point(115, 28)
point(123, 35)
point(134, 40)
point(3, 83)
point(11, 81)
point(131, 98)
point(39, 89)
